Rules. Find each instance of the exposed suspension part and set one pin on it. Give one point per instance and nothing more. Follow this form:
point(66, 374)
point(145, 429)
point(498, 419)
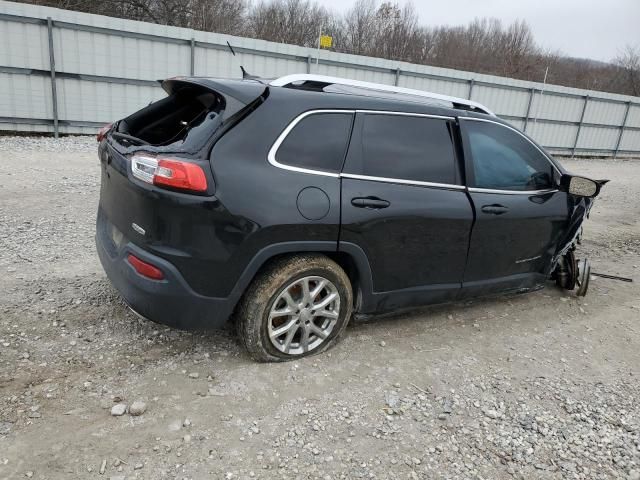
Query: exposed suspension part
point(573, 274)
point(565, 271)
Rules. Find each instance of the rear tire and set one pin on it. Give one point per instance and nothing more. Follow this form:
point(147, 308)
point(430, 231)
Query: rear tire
point(295, 307)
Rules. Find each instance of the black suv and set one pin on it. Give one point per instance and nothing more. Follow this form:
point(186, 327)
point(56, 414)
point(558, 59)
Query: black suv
point(289, 205)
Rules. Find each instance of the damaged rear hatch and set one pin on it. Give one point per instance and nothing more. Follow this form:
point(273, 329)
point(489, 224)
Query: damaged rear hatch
point(157, 186)
point(186, 120)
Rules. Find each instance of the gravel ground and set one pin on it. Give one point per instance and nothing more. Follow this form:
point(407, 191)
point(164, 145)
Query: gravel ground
point(80, 143)
point(543, 385)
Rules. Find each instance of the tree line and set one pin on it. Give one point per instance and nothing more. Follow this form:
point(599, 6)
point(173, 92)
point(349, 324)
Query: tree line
point(385, 30)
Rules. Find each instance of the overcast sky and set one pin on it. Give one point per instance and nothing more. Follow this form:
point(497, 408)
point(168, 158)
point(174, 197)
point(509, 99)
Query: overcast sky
point(596, 29)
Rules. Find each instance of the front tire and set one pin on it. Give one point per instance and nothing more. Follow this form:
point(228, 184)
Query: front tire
point(297, 306)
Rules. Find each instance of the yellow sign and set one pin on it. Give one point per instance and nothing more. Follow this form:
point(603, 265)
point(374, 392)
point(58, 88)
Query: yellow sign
point(326, 41)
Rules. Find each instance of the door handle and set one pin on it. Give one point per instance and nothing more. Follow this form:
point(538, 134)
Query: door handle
point(369, 202)
point(495, 209)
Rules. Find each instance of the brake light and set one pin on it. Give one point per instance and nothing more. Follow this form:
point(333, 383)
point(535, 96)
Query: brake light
point(187, 176)
point(145, 269)
point(103, 132)
point(169, 173)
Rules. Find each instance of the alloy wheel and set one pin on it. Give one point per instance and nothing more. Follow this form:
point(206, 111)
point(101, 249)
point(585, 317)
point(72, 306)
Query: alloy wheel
point(303, 315)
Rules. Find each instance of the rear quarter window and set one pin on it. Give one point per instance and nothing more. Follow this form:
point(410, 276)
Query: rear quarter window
point(317, 142)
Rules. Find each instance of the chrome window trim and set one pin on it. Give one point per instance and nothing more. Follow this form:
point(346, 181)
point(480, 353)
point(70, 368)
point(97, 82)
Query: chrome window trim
point(512, 192)
point(274, 149)
point(519, 133)
point(402, 181)
point(271, 156)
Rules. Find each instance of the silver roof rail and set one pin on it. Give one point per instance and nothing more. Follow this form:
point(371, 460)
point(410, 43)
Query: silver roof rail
point(306, 77)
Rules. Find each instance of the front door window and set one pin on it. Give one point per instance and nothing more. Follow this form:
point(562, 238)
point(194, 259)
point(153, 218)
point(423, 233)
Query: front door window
point(504, 160)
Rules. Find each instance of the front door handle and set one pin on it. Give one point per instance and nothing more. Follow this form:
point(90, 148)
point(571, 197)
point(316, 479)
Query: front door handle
point(369, 202)
point(495, 209)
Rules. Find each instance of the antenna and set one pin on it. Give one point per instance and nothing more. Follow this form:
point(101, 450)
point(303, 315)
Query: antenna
point(245, 75)
point(231, 48)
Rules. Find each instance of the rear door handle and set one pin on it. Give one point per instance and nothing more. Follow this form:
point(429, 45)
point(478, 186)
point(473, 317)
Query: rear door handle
point(369, 202)
point(495, 209)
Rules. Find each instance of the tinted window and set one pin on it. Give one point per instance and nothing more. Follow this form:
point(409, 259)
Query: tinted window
point(317, 142)
point(406, 147)
point(505, 160)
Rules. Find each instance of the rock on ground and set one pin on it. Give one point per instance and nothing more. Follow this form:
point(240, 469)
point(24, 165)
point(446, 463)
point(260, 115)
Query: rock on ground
point(137, 408)
point(118, 410)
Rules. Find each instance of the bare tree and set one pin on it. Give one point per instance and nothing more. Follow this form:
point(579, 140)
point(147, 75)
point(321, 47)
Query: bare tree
point(629, 64)
point(222, 16)
point(395, 30)
point(359, 29)
point(287, 21)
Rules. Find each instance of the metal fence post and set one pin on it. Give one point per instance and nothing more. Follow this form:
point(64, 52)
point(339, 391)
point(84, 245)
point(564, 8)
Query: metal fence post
point(52, 67)
point(308, 63)
point(193, 56)
point(472, 82)
point(526, 115)
point(575, 142)
point(624, 124)
point(397, 81)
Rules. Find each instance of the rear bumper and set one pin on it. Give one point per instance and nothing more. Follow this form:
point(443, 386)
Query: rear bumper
point(169, 301)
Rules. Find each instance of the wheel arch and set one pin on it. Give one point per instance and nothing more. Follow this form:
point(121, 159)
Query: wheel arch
point(350, 257)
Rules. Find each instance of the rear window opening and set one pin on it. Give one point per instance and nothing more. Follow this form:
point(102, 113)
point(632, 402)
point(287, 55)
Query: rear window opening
point(171, 119)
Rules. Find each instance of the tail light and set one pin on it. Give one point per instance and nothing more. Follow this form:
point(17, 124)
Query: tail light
point(172, 173)
point(145, 269)
point(103, 132)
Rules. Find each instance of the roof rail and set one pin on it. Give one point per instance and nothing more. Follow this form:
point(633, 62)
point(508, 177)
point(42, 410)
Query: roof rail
point(306, 77)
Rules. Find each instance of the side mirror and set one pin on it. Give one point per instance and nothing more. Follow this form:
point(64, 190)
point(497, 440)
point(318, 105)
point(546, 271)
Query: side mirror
point(581, 186)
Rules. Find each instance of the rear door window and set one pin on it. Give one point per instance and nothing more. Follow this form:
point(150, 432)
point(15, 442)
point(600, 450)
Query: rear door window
point(317, 142)
point(504, 160)
point(406, 147)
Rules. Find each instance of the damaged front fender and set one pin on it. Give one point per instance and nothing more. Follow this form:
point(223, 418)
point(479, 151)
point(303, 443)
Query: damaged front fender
point(580, 207)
